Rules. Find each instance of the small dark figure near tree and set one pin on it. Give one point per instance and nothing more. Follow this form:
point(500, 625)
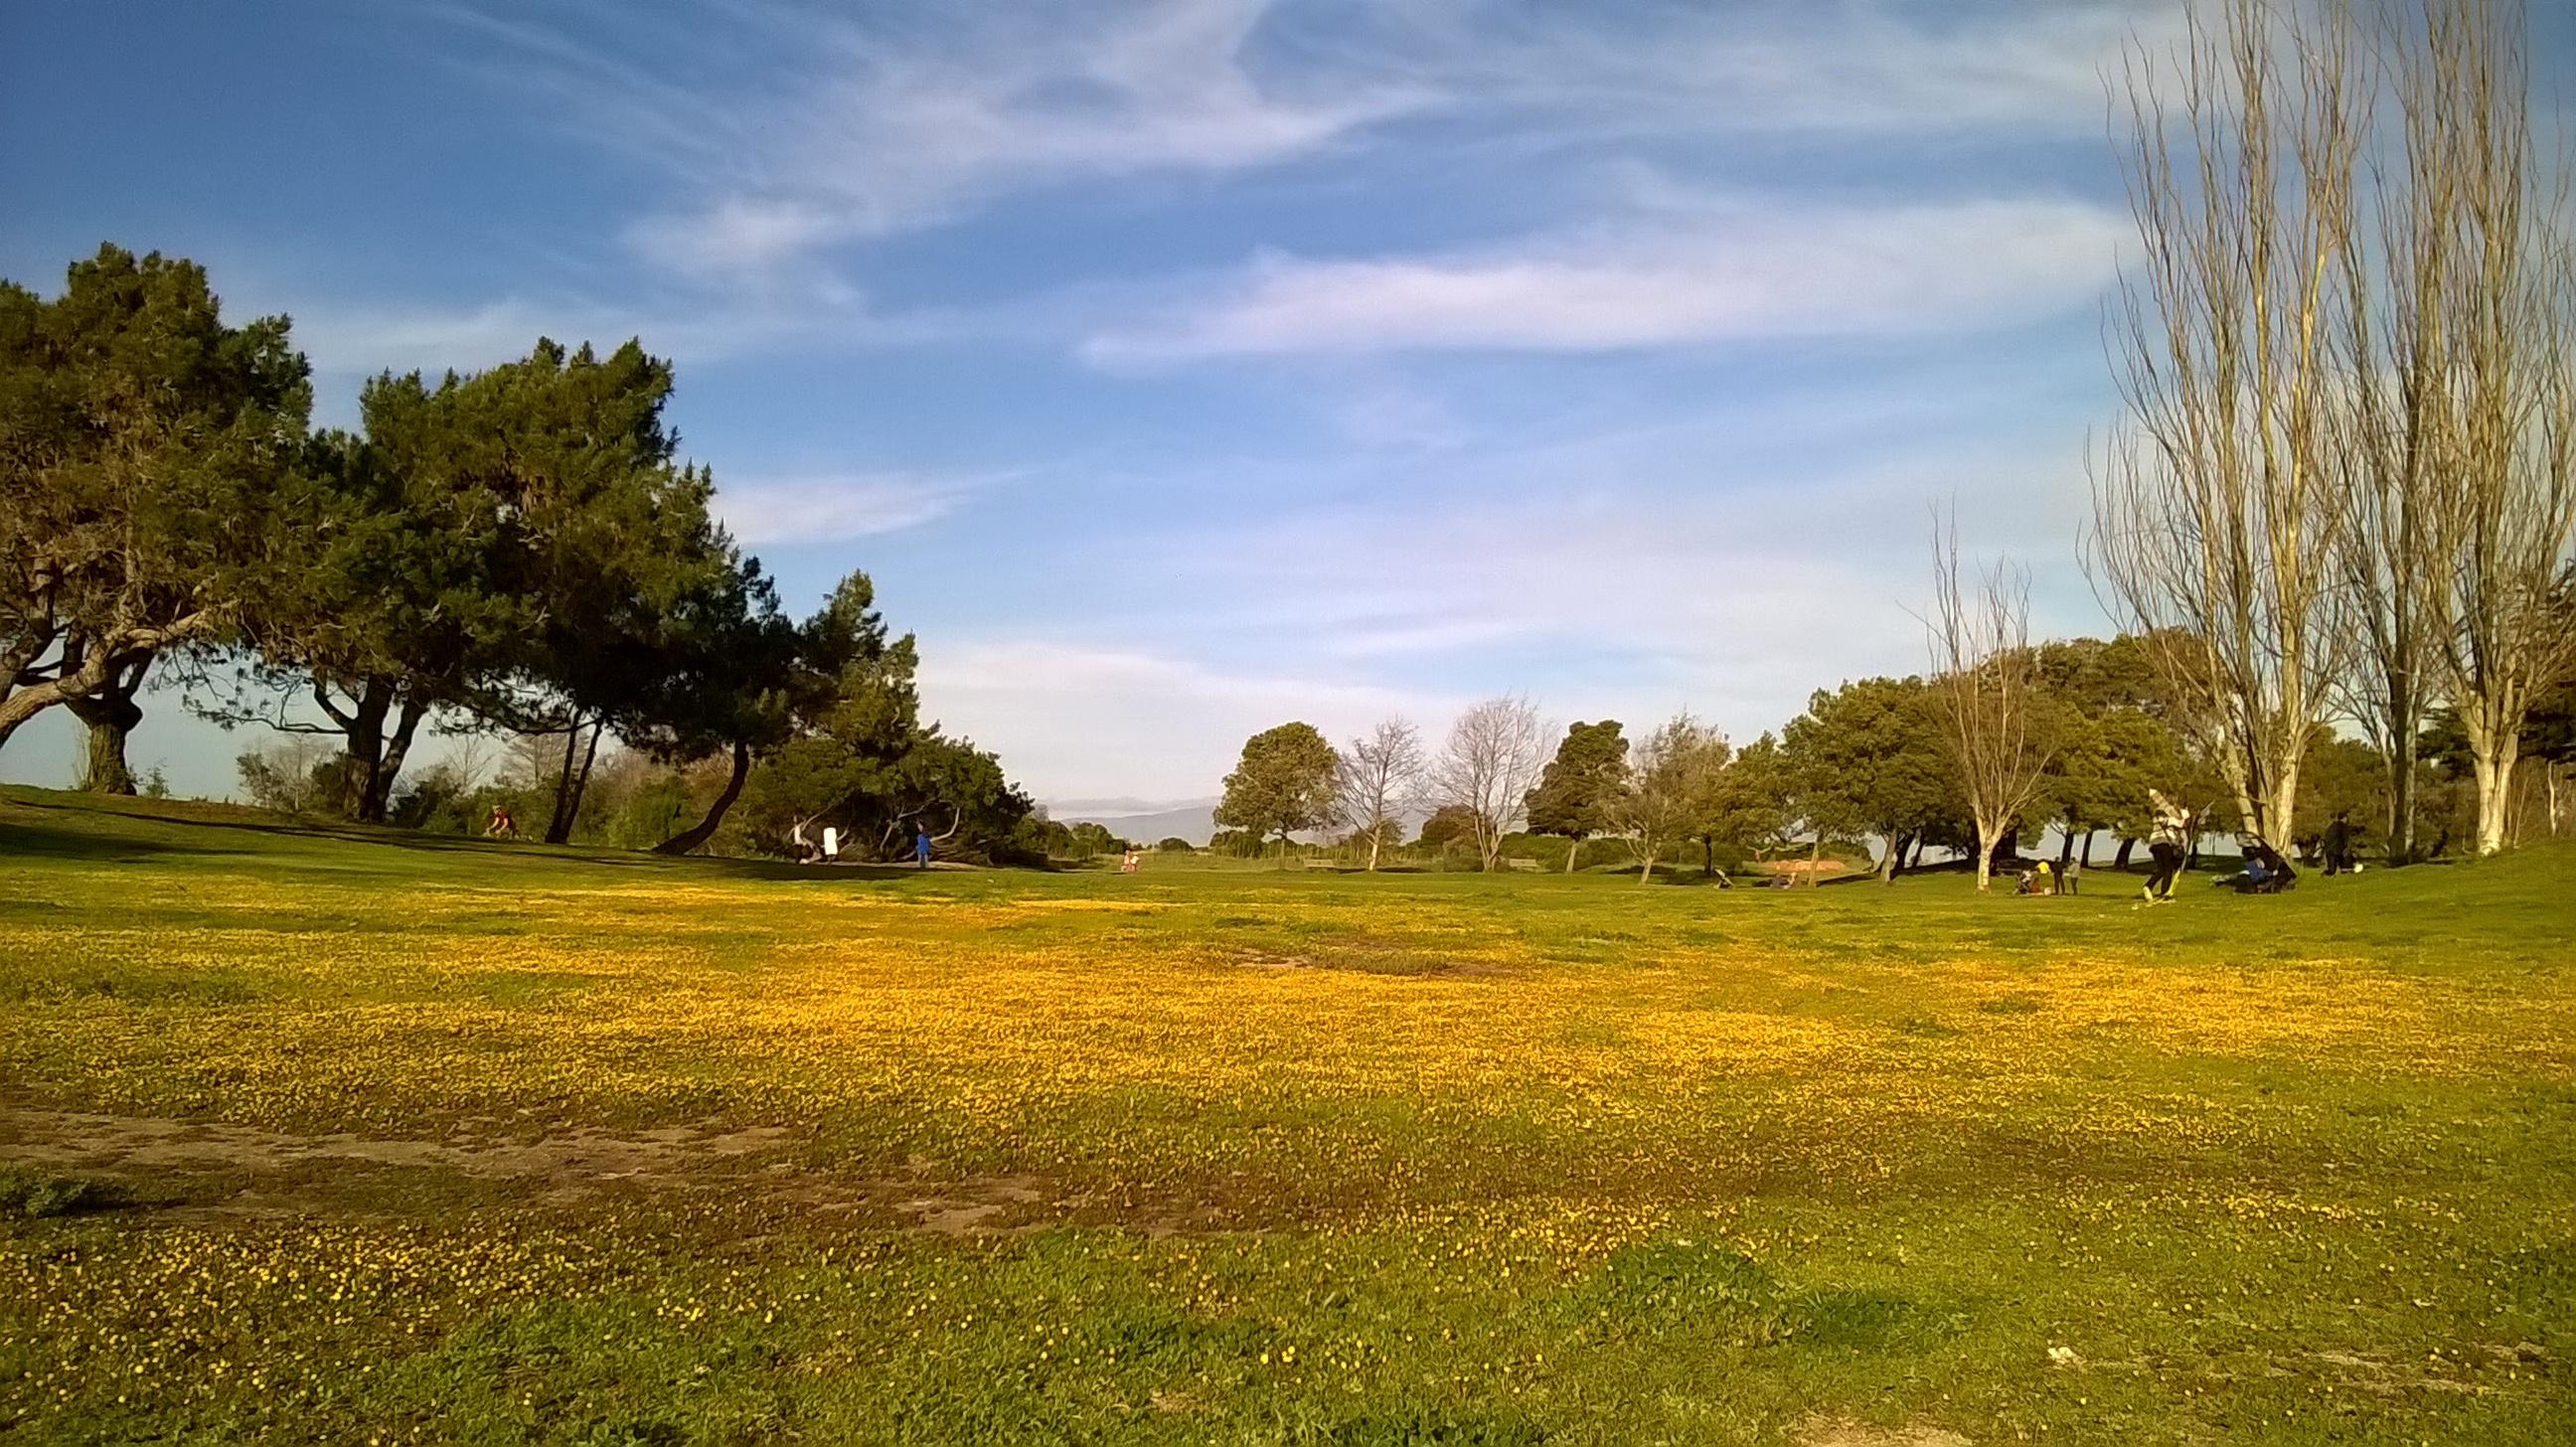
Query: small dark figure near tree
point(2338, 845)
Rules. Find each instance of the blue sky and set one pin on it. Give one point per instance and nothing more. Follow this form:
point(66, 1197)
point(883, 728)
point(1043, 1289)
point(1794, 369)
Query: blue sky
point(1179, 368)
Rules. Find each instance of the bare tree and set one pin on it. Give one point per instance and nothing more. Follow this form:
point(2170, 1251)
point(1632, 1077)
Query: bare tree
point(1669, 793)
point(2217, 508)
point(2497, 308)
point(1379, 777)
point(2388, 550)
point(1495, 753)
point(1985, 691)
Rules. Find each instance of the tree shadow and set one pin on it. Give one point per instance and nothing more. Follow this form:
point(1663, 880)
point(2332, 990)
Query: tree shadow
point(207, 833)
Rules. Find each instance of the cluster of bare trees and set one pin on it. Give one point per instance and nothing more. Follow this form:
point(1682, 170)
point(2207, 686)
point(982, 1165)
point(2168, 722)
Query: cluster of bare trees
point(2346, 486)
point(1490, 777)
point(1493, 755)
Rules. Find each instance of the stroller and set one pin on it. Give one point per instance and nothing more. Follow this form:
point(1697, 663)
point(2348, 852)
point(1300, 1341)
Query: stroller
point(2265, 872)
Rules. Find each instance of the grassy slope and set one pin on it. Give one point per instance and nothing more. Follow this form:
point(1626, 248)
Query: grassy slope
point(1275, 1157)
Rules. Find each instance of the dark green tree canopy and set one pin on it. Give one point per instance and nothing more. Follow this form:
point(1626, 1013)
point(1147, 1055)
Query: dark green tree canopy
point(856, 756)
point(1447, 825)
point(2106, 716)
point(1579, 784)
point(385, 609)
point(141, 442)
point(1283, 784)
point(1868, 759)
point(1754, 801)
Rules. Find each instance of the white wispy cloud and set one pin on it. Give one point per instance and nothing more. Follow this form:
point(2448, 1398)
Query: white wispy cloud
point(1838, 67)
point(854, 125)
point(885, 127)
point(838, 506)
point(355, 339)
point(1749, 273)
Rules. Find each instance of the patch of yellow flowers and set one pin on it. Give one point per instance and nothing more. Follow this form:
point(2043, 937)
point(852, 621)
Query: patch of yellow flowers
point(1136, 1034)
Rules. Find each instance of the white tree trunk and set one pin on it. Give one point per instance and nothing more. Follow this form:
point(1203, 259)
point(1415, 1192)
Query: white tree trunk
point(2493, 762)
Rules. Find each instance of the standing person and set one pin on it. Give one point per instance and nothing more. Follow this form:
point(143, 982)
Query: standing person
point(921, 848)
point(2169, 843)
point(2338, 844)
point(831, 845)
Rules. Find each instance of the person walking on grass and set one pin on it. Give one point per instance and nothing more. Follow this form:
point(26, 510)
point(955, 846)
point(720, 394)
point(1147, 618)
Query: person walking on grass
point(921, 848)
point(2338, 844)
point(2169, 844)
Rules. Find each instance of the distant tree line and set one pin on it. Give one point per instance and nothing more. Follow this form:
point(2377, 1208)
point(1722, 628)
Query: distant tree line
point(1878, 769)
point(518, 551)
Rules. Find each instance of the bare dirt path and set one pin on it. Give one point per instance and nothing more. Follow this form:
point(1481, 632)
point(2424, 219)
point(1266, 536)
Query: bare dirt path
point(127, 1145)
point(285, 1173)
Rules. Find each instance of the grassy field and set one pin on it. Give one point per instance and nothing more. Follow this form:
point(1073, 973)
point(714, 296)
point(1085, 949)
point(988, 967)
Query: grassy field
point(358, 1137)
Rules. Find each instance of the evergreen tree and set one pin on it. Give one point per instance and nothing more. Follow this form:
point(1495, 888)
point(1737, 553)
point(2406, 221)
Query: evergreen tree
point(1283, 784)
point(1580, 785)
point(1868, 760)
point(141, 441)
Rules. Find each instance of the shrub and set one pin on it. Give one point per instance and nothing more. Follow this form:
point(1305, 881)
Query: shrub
point(27, 1195)
point(296, 775)
point(656, 810)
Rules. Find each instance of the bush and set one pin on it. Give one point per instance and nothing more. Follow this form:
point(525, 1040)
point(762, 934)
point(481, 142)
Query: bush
point(1090, 840)
point(1174, 845)
point(27, 1195)
point(296, 775)
point(656, 810)
point(1237, 843)
point(433, 800)
point(1450, 824)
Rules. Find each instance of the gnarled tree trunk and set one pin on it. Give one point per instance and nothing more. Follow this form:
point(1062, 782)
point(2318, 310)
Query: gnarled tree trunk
point(705, 829)
point(110, 715)
point(372, 755)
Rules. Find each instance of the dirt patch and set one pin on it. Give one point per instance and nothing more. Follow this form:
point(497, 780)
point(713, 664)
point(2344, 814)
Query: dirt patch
point(197, 1168)
point(241, 1171)
point(571, 1163)
point(976, 1207)
point(1843, 1432)
point(1368, 957)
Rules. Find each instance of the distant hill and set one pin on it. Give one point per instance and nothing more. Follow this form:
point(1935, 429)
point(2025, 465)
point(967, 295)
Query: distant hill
point(1193, 821)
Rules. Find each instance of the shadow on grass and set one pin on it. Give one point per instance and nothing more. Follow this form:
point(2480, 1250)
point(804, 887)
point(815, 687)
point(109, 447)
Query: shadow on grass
point(64, 830)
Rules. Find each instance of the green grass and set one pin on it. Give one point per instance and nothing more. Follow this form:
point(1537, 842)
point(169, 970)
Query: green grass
point(344, 1135)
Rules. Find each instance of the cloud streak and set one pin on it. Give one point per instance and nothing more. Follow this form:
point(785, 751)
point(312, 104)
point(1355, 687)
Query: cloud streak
point(1834, 67)
point(838, 507)
point(895, 127)
point(1755, 274)
point(913, 114)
